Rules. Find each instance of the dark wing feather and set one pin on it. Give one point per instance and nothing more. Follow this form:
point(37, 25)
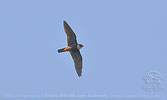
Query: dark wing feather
point(77, 61)
point(71, 37)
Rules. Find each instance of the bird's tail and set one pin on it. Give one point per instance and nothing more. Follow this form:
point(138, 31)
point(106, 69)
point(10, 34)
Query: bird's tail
point(61, 50)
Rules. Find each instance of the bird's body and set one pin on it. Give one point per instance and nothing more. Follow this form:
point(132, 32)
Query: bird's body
point(70, 48)
point(73, 47)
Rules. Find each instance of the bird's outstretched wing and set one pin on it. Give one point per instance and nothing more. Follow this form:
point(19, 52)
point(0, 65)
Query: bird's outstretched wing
point(77, 61)
point(71, 37)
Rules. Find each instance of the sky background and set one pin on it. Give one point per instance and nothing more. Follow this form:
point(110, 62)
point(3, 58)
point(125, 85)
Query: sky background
point(123, 41)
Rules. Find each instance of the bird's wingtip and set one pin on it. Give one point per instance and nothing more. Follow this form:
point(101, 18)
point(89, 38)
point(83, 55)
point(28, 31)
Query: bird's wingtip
point(64, 21)
point(79, 74)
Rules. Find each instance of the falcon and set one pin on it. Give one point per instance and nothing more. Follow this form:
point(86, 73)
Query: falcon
point(73, 47)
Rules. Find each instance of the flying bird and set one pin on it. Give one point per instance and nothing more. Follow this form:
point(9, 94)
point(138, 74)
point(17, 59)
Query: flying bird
point(73, 47)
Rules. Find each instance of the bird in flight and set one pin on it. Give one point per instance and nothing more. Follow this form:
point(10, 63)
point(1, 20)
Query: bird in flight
point(73, 47)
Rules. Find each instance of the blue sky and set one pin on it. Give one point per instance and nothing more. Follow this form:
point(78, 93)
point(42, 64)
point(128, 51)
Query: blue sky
point(123, 40)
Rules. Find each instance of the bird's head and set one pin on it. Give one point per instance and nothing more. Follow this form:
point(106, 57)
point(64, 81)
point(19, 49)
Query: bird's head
point(79, 46)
